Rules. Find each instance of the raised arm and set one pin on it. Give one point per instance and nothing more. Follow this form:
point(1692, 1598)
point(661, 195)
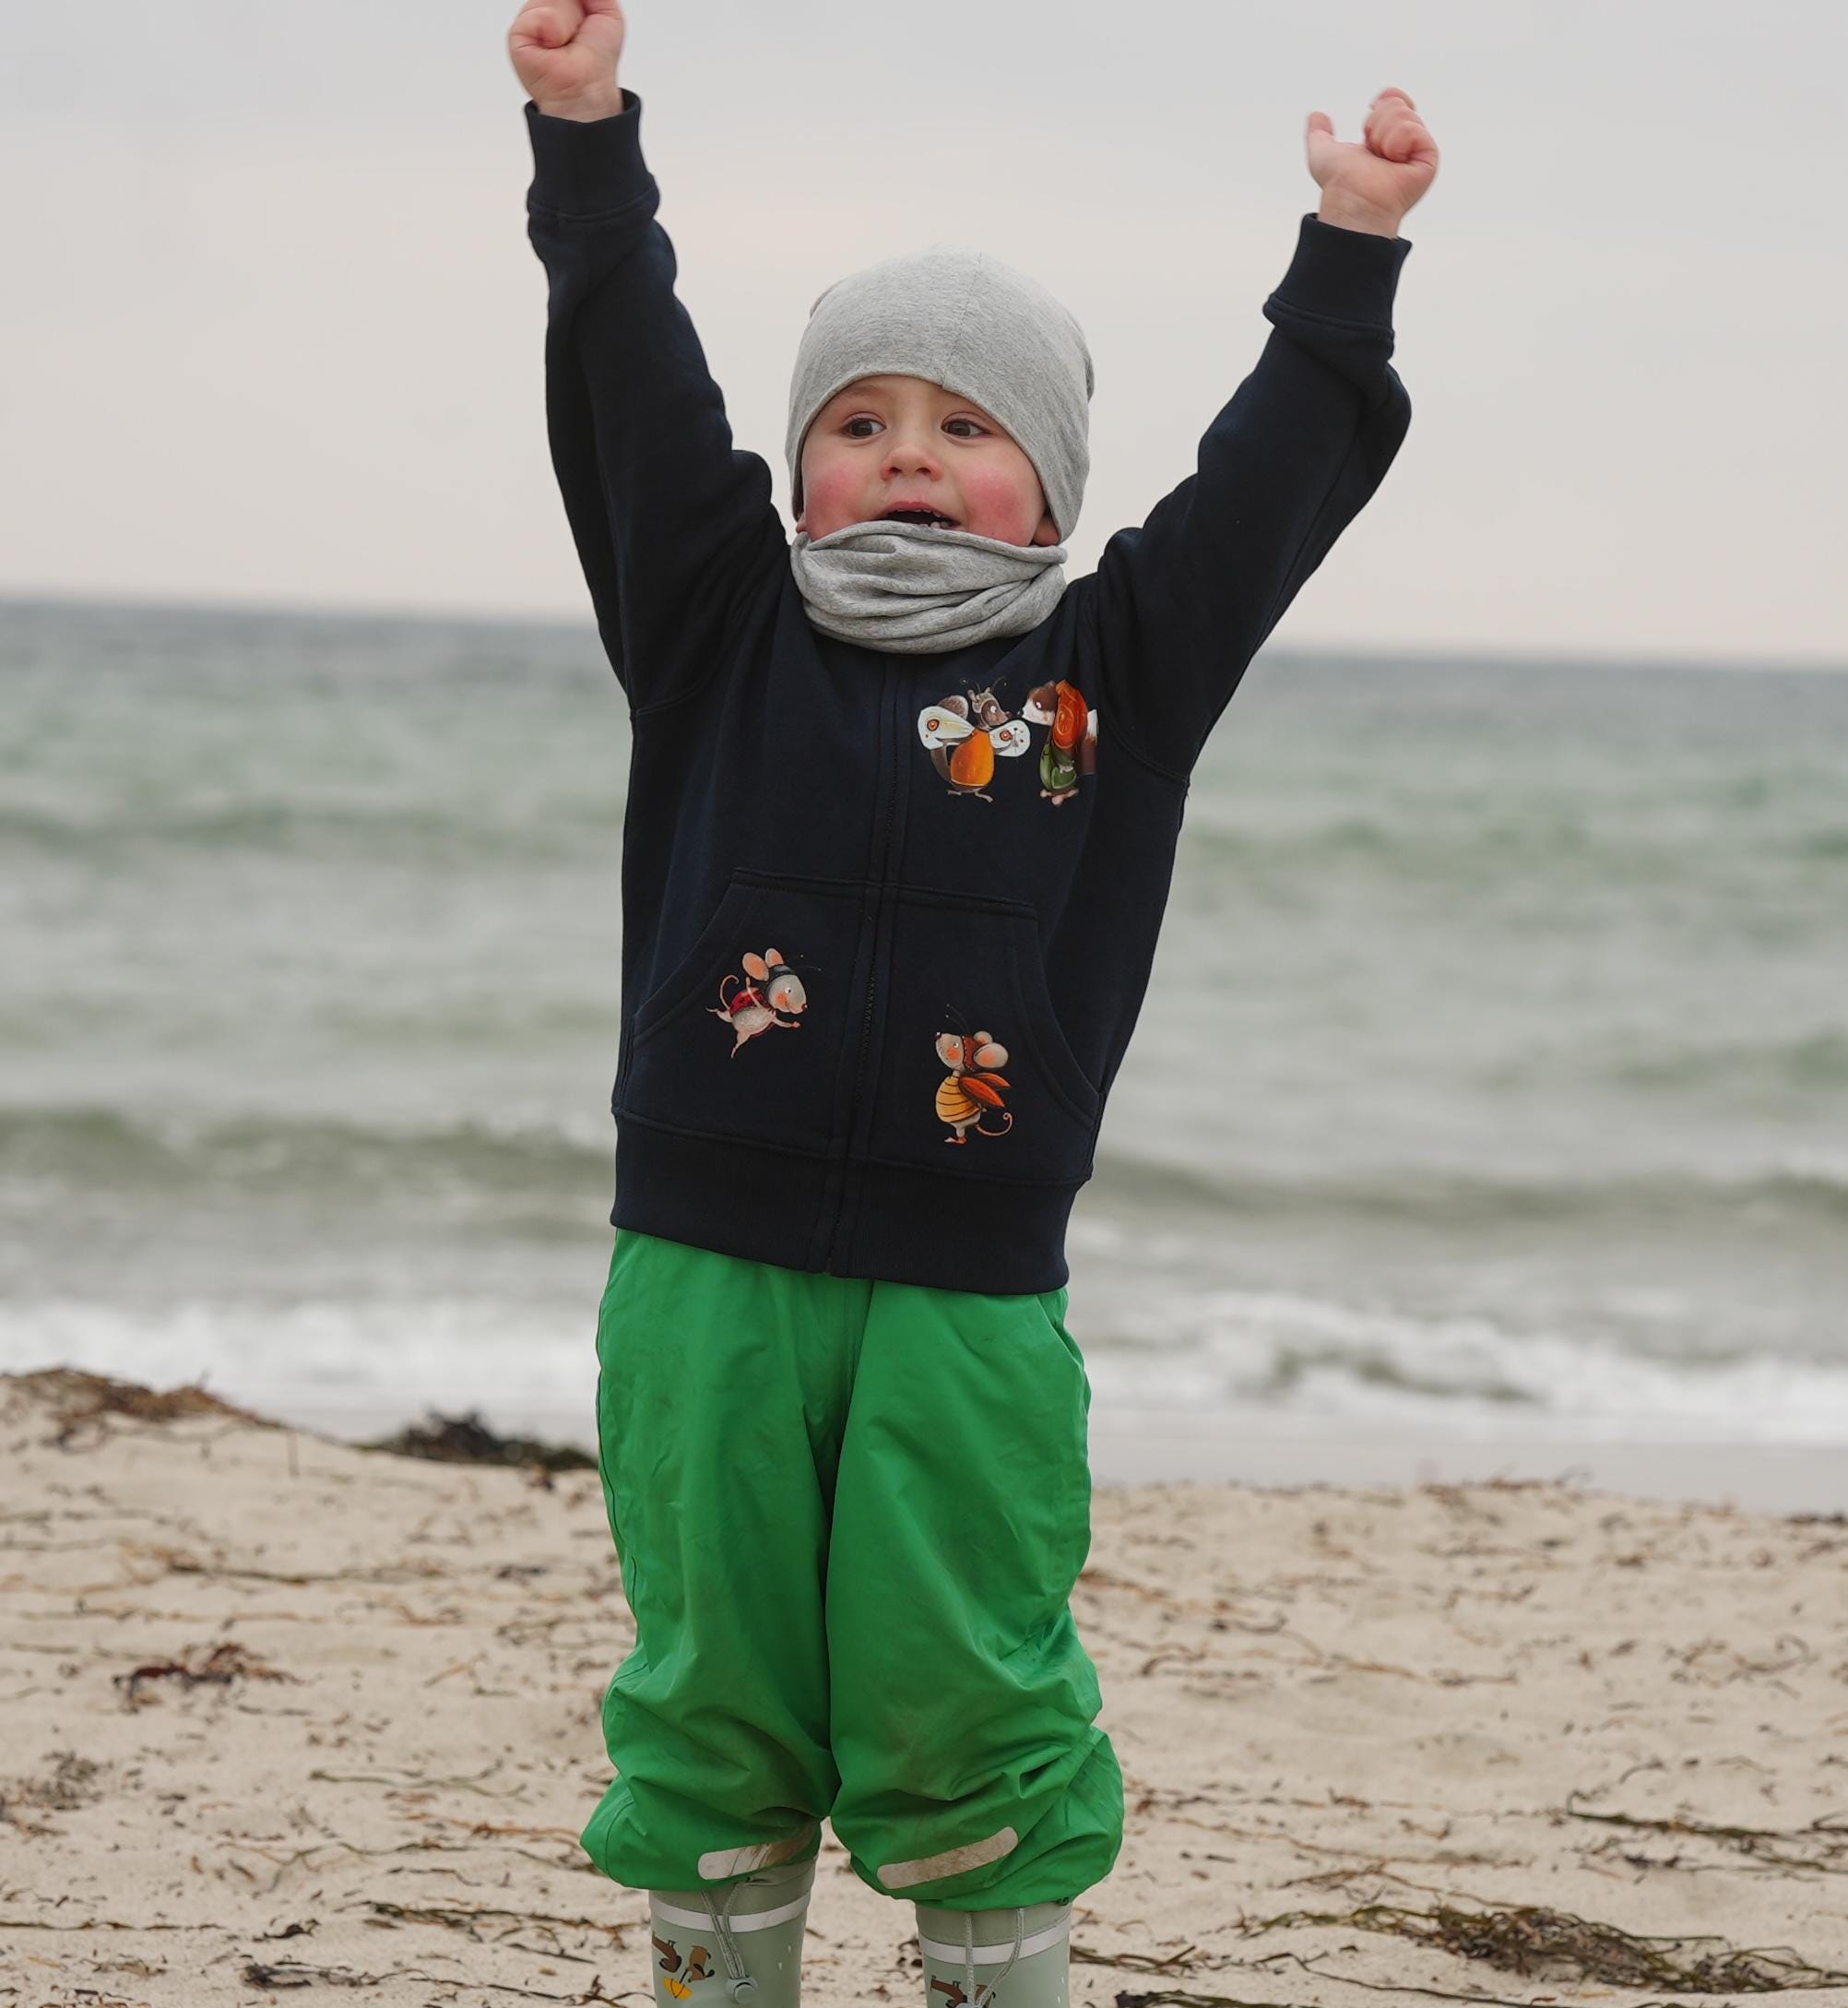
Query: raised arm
point(671, 523)
point(1177, 606)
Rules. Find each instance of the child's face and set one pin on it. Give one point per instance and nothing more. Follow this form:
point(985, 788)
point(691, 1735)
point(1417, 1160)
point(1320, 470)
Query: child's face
point(889, 444)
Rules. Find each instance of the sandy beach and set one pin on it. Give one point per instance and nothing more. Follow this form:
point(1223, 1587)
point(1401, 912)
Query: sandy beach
point(281, 1713)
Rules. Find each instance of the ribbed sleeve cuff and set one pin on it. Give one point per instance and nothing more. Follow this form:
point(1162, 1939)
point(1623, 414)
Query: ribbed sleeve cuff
point(587, 167)
point(1343, 274)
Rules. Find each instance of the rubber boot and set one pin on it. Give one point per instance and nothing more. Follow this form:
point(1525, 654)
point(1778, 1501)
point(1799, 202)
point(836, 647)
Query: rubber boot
point(1017, 1958)
point(743, 1942)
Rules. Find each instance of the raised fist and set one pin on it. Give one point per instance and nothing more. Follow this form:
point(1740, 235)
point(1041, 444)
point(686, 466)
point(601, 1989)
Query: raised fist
point(1372, 182)
point(564, 52)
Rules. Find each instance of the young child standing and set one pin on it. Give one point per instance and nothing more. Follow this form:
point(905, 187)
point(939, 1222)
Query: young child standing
point(902, 807)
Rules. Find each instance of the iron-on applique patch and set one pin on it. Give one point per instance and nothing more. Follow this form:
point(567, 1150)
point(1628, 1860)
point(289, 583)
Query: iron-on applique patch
point(1070, 751)
point(967, 734)
point(973, 1085)
point(774, 999)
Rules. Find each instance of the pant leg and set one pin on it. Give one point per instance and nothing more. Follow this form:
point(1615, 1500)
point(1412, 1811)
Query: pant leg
point(972, 1774)
point(722, 1386)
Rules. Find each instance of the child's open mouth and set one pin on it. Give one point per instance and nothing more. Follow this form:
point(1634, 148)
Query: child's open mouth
point(926, 517)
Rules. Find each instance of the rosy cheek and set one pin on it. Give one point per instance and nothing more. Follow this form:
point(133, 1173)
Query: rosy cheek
point(831, 496)
point(999, 502)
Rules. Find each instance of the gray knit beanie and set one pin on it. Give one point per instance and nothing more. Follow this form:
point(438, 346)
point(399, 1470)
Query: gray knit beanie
point(978, 327)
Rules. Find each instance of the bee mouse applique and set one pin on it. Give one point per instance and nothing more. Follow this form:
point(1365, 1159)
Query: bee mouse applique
point(971, 1085)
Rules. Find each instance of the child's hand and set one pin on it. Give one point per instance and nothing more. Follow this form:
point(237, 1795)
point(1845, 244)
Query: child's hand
point(565, 52)
point(1370, 186)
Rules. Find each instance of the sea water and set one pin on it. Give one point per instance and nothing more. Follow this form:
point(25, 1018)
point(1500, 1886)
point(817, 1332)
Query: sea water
point(1494, 1069)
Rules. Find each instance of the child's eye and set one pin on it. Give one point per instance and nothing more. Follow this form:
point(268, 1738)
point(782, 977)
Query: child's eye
point(862, 420)
point(976, 430)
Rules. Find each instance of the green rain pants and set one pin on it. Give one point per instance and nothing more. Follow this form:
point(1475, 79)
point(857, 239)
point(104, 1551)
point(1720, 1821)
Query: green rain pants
point(849, 1515)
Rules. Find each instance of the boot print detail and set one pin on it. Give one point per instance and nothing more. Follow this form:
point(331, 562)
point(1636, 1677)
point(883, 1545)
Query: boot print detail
point(681, 1974)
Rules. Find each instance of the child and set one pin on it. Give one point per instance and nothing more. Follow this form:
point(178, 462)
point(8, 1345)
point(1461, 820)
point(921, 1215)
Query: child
point(841, 1417)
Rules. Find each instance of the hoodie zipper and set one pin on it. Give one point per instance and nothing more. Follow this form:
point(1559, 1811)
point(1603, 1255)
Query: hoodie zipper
point(836, 1241)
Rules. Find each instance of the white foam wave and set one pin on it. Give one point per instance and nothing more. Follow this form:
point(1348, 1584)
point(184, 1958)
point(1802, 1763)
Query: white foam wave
point(382, 1360)
point(1274, 1353)
point(1243, 1356)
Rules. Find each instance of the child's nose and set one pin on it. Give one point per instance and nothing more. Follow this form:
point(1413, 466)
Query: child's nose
point(907, 456)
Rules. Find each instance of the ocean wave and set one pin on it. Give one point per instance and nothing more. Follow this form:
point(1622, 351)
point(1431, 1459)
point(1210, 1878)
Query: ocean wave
point(1813, 1060)
point(398, 832)
point(1794, 1189)
point(1457, 844)
point(1275, 1352)
point(386, 1357)
point(96, 1149)
point(1240, 1357)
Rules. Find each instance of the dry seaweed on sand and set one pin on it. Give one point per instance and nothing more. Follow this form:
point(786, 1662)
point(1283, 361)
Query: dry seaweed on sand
point(1818, 1846)
point(76, 1398)
point(225, 1663)
point(468, 1440)
point(294, 1973)
point(1541, 1944)
point(70, 1785)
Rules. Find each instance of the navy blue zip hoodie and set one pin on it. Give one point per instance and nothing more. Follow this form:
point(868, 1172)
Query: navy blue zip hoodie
point(888, 920)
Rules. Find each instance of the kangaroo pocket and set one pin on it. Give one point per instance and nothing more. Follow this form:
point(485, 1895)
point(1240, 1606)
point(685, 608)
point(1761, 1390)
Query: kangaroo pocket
point(745, 1036)
point(976, 1075)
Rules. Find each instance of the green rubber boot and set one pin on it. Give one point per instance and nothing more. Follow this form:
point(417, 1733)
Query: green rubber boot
point(1018, 1958)
point(739, 1943)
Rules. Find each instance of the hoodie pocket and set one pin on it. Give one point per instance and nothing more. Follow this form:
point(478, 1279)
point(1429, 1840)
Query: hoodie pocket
point(977, 1076)
point(744, 1037)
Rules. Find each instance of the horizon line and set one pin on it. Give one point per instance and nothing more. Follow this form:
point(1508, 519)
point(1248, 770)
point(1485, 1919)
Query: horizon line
point(1435, 654)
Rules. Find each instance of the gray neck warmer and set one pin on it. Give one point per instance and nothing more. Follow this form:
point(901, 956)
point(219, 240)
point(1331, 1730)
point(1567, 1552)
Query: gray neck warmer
point(986, 332)
point(919, 591)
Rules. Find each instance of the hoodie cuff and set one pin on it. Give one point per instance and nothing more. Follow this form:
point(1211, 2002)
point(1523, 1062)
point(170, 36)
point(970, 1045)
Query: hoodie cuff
point(588, 167)
point(1343, 274)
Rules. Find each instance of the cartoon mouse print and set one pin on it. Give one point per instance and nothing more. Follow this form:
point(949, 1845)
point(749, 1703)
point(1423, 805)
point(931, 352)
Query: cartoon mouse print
point(1071, 748)
point(966, 735)
point(771, 1002)
point(971, 1085)
point(698, 1963)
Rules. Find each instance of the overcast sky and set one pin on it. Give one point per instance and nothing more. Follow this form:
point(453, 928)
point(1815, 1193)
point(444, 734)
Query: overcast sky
point(272, 328)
